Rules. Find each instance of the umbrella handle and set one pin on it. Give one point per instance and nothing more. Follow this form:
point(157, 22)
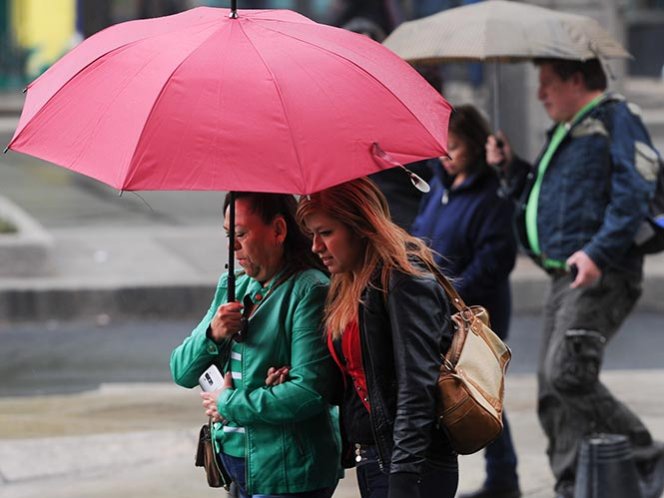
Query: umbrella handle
point(495, 100)
point(231, 248)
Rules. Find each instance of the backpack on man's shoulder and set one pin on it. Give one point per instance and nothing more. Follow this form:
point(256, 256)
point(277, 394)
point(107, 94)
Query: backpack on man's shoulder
point(650, 237)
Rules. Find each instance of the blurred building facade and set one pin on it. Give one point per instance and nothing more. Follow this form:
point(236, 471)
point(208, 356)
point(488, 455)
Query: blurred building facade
point(35, 33)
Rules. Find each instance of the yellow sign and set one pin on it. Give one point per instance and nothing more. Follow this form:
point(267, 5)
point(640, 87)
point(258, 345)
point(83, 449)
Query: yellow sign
point(46, 28)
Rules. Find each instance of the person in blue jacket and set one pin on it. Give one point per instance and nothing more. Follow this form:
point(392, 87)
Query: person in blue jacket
point(470, 227)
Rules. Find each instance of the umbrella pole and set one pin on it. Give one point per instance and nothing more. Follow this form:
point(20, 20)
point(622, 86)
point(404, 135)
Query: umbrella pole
point(233, 14)
point(231, 248)
point(495, 100)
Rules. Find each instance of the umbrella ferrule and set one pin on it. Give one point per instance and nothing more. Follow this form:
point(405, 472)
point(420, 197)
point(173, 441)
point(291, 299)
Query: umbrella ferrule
point(233, 14)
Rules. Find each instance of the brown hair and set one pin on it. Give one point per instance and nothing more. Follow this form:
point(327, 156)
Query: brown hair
point(470, 126)
point(361, 206)
point(591, 71)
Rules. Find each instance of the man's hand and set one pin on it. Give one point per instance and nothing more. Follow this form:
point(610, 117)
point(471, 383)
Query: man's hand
point(226, 321)
point(210, 399)
point(498, 151)
point(587, 271)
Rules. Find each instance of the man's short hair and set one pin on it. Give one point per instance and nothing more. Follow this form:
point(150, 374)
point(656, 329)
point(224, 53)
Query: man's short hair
point(591, 70)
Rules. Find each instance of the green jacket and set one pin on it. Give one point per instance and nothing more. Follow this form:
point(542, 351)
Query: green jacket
point(292, 439)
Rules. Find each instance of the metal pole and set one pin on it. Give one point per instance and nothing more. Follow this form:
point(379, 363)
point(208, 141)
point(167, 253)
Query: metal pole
point(233, 14)
point(231, 248)
point(495, 98)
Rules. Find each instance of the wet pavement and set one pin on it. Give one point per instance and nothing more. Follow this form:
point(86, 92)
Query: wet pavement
point(88, 410)
point(138, 440)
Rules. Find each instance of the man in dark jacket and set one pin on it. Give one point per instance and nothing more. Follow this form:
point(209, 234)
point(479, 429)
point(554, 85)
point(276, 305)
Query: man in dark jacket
point(578, 210)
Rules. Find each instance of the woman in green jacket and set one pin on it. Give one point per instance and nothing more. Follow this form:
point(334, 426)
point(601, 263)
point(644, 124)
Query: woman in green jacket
point(279, 440)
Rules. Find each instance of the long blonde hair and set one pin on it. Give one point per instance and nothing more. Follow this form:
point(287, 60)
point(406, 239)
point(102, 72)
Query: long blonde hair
point(361, 206)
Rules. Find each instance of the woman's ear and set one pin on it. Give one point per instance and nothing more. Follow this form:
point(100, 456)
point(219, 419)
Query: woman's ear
point(280, 229)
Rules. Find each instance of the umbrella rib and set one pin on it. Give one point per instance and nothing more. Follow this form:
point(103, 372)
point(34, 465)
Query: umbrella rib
point(73, 76)
point(130, 168)
point(283, 107)
point(377, 80)
point(57, 92)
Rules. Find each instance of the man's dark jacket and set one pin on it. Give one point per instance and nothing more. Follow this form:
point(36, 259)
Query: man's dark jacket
point(595, 191)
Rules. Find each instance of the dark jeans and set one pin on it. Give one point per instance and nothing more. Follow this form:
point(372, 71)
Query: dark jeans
point(573, 402)
point(436, 482)
point(501, 461)
point(236, 469)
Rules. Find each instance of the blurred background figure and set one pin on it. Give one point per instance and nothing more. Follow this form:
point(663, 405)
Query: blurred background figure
point(423, 8)
point(386, 14)
point(578, 210)
point(469, 226)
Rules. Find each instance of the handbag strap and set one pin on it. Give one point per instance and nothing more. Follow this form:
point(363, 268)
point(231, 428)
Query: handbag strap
point(451, 292)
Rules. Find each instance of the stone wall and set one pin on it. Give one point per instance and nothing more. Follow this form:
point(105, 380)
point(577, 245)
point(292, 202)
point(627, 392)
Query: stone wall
point(26, 253)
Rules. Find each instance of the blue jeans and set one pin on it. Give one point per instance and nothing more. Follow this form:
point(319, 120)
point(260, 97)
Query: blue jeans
point(236, 469)
point(374, 483)
point(501, 461)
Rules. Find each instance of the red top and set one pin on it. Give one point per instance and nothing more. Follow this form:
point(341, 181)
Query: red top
point(351, 363)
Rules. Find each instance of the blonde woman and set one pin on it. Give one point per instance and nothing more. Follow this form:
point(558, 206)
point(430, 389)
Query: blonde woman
point(387, 320)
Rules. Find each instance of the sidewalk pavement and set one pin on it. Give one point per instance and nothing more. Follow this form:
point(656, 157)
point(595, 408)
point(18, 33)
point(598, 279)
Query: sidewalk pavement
point(169, 272)
point(109, 443)
point(133, 272)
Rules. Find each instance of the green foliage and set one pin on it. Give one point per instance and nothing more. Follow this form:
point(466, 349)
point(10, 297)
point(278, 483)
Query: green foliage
point(13, 61)
point(6, 227)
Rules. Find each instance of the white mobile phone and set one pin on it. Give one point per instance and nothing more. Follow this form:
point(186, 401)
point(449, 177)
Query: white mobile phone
point(211, 379)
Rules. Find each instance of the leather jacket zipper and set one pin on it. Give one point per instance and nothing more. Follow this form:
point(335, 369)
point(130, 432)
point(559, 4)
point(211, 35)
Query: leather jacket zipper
point(366, 358)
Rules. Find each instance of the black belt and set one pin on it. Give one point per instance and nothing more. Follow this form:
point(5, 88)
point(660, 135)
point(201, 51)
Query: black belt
point(557, 272)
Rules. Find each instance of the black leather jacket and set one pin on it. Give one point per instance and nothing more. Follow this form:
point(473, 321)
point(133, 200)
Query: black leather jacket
point(402, 335)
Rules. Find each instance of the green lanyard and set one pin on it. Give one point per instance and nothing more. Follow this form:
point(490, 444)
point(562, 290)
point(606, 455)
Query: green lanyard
point(533, 200)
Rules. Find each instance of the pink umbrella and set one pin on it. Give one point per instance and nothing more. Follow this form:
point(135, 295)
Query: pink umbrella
point(262, 101)
point(210, 99)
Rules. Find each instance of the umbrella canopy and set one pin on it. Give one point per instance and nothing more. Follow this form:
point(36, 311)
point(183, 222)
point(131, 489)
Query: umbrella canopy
point(263, 101)
point(500, 30)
